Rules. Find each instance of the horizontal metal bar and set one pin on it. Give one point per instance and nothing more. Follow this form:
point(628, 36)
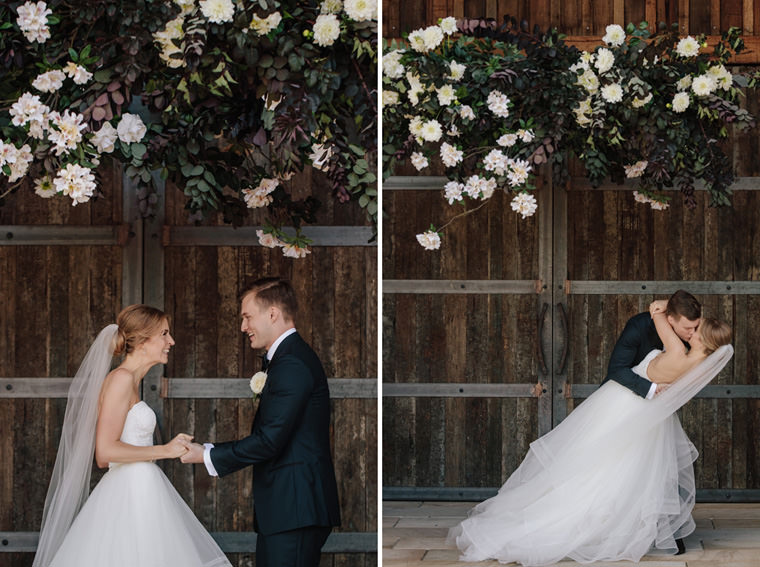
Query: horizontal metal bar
point(474, 494)
point(460, 390)
point(608, 287)
point(230, 542)
point(710, 392)
point(462, 286)
point(436, 183)
point(240, 388)
point(246, 235)
point(59, 235)
point(182, 387)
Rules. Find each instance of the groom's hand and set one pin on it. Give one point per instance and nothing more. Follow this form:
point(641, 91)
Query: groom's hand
point(194, 454)
point(660, 389)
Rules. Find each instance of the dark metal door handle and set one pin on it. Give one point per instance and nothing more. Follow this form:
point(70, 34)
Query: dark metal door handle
point(566, 338)
point(539, 337)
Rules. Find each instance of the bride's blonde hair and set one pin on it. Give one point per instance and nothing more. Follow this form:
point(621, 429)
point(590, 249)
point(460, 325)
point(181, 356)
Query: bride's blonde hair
point(714, 334)
point(137, 323)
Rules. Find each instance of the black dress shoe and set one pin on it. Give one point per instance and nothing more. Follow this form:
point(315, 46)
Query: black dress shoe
point(681, 547)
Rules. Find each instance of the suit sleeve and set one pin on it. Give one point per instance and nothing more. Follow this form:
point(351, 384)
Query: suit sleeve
point(622, 361)
point(286, 397)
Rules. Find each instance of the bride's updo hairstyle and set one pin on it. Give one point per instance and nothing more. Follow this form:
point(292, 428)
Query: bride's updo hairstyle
point(714, 334)
point(137, 324)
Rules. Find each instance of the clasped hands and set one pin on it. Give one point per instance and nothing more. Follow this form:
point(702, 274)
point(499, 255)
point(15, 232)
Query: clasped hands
point(182, 447)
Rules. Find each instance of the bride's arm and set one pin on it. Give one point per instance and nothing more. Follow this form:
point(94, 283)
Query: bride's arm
point(670, 341)
point(114, 405)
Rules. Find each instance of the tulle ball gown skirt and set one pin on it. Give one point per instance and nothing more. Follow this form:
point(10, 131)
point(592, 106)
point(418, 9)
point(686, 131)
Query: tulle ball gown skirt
point(135, 518)
point(608, 483)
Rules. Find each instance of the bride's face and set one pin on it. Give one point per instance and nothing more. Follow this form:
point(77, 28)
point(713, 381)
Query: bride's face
point(683, 327)
point(157, 347)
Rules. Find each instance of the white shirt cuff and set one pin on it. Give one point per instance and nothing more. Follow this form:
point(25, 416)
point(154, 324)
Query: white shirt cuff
point(207, 459)
point(652, 390)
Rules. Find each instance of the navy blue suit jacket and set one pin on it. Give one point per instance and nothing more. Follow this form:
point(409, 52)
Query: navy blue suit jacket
point(289, 445)
point(637, 340)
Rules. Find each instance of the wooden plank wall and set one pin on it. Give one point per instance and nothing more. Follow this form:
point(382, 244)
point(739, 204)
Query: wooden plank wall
point(578, 17)
point(56, 298)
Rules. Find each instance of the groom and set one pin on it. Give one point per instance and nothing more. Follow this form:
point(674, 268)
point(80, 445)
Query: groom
point(294, 489)
point(640, 337)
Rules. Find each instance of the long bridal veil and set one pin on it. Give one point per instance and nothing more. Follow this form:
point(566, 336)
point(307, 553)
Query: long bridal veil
point(70, 483)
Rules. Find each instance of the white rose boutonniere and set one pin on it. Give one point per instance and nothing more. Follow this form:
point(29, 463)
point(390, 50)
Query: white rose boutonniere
point(257, 383)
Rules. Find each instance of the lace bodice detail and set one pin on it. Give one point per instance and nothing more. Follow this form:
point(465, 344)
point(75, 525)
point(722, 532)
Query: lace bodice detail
point(139, 425)
point(642, 367)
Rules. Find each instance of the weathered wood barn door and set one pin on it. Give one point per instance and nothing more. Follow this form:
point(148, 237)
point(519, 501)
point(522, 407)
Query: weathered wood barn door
point(491, 341)
point(64, 274)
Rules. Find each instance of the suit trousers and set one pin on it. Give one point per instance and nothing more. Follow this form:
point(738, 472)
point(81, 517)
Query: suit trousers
point(294, 548)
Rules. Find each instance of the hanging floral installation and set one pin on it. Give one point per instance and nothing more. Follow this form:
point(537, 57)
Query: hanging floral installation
point(227, 98)
point(493, 103)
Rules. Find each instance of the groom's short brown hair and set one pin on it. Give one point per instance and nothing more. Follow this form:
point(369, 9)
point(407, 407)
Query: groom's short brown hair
point(684, 304)
point(274, 291)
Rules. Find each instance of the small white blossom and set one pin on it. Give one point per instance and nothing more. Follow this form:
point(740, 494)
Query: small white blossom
point(684, 83)
point(655, 204)
point(433, 36)
point(453, 191)
point(449, 25)
point(446, 95)
point(496, 161)
point(331, 6)
point(417, 41)
point(217, 11)
point(526, 136)
point(612, 93)
point(639, 102)
point(479, 187)
point(76, 182)
point(453, 131)
point(429, 240)
point(457, 70)
point(319, 156)
point(295, 251)
point(687, 47)
point(262, 26)
point(50, 81)
point(415, 126)
point(21, 161)
point(589, 81)
point(32, 21)
point(419, 161)
point(392, 67)
point(268, 239)
point(66, 132)
point(615, 35)
point(466, 112)
point(326, 29)
point(28, 108)
point(415, 88)
point(519, 172)
point(390, 98)
point(604, 60)
point(680, 102)
point(450, 156)
point(79, 74)
point(722, 76)
point(361, 10)
point(507, 140)
point(525, 204)
point(131, 128)
point(431, 131)
point(635, 170)
point(498, 103)
point(105, 138)
point(703, 85)
point(44, 187)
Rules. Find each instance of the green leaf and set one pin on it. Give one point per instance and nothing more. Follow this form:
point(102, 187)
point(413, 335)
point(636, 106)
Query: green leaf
point(73, 55)
point(138, 150)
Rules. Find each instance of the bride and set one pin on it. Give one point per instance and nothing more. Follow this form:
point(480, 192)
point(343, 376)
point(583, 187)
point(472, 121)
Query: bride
point(134, 516)
point(615, 478)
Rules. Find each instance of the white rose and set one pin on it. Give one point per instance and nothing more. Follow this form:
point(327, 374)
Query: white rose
point(433, 36)
point(604, 60)
point(131, 128)
point(465, 111)
point(257, 383)
point(680, 102)
point(687, 47)
point(449, 25)
point(105, 138)
point(392, 67)
point(615, 35)
point(419, 161)
point(361, 10)
point(589, 81)
point(612, 92)
point(457, 70)
point(684, 83)
point(390, 98)
point(446, 95)
point(431, 131)
point(218, 11)
point(703, 85)
point(326, 29)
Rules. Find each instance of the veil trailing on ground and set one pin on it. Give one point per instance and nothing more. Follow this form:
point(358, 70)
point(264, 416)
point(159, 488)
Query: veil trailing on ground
point(70, 483)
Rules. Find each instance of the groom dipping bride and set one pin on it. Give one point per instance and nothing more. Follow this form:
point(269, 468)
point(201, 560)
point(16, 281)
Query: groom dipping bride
point(615, 479)
point(294, 488)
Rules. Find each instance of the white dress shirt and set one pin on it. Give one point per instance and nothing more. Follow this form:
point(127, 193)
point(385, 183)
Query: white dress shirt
point(270, 353)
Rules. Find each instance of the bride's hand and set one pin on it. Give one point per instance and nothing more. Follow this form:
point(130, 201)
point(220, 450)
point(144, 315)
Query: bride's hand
point(178, 446)
point(658, 306)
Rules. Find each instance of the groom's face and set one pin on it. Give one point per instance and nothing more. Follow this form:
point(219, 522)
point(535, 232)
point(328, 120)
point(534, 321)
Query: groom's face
point(257, 323)
point(683, 327)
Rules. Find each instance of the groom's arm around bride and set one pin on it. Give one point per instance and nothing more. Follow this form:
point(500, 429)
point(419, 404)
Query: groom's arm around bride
point(294, 488)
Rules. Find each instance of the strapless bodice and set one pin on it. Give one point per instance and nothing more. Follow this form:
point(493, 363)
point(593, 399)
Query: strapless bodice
point(641, 367)
point(139, 426)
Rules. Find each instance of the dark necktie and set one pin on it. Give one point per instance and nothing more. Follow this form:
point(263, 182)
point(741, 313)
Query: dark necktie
point(264, 362)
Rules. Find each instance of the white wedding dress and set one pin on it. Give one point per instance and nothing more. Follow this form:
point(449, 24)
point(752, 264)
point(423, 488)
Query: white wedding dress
point(135, 518)
point(612, 481)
